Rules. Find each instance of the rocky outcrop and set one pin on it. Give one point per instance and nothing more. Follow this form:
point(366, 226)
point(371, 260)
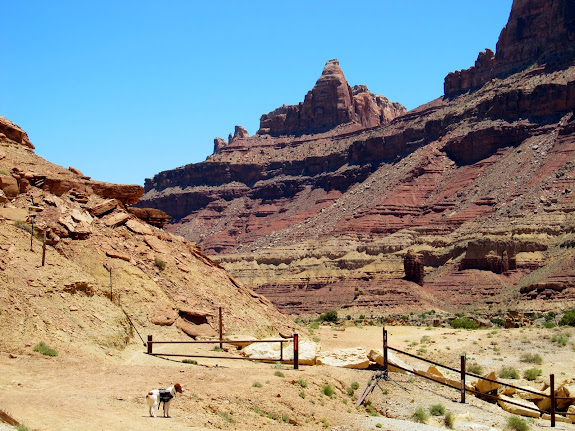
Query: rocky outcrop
point(538, 32)
point(330, 103)
point(11, 131)
point(413, 267)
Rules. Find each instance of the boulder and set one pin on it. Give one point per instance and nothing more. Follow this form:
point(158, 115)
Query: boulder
point(156, 244)
point(558, 418)
point(101, 208)
point(376, 355)
point(306, 355)
point(355, 357)
point(9, 185)
point(193, 330)
point(571, 413)
point(485, 386)
point(3, 198)
point(116, 218)
point(138, 227)
point(522, 410)
point(81, 216)
point(164, 315)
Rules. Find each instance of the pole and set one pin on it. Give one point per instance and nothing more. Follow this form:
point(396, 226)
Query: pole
point(149, 344)
point(44, 249)
point(463, 379)
point(385, 362)
point(552, 388)
point(281, 351)
point(221, 329)
point(295, 352)
point(32, 234)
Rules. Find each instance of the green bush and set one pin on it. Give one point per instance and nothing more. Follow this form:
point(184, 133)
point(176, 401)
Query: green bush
point(327, 390)
point(498, 321)
point(532, 373)
point(159, 263)
point(257, 385)
point(371, 411)
point(378, 425)
point(515, 423)
point(21, 427)
point(561, 339)
point(302, 383)
point(314, 325)
point(437, 410)
point(302, 394)
point(355, 386)
point(508, 373)
point(45, 350)
point(190, 361)
point(350, 391)
point(568, 318)
point(464, 323)
point(279, 374)
point(531, 358)
point(548, 325)
point(420, 415)
point(329, 316)
point(449, 420)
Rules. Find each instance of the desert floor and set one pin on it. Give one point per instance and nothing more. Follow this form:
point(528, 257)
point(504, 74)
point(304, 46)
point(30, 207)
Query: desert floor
point(105, 390)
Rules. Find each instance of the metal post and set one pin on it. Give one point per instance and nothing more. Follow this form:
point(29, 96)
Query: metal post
point(281, 350)
point(552, 388)
point(32, 234)
point(463, 379)
point(295, 352)
point(385, 363)
point(221, 329)
point(44, 249)
point(111, 298)
point(149, 344)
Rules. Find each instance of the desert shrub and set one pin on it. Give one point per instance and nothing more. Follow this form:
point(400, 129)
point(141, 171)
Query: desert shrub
point(279, 374)
point(568, 318)
point(474, 368)
point(548, 325)
point(257, 385)
point(329, 316)
point(449, 420)
point(325, 422)
point(302, 394)
point(378, 425)
point(561, 339)
point(348, 317)
point(464, 323)
point(420, 415)
point(355, 386)
point(498, 321)
point(532, 373)
point(159, 263)
point(361, 316)
point(327, 390)
point(21, 427)
point(425, 339)
point(531, 358)
point(41, 347)
point(316, 339)
point(437, 410)
point(515, 423)
point(302, 383)
point(218, 349)
point(508, 373)
point(190, 361)
point(314, 325)
point(227, 417)
point(350, 391)
point(371, 411)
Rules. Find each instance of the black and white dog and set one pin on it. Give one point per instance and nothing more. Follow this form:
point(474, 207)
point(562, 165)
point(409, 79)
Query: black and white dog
point(159, 396)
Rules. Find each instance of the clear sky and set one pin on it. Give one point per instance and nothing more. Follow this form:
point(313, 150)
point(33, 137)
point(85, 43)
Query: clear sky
point(124, 89)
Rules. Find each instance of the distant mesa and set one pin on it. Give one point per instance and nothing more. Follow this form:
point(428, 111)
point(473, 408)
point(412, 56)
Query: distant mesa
point(330, 103)
point(538, 32)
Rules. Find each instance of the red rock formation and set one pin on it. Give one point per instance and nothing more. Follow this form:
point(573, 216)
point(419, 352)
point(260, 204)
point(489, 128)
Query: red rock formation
point(538, 31)
point(330, 103)
point(414, 268)
point(14, 133)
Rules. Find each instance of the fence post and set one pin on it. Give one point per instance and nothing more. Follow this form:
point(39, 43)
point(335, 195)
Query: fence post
point(463, 379)
point(111, 287)
point(295, 352)
point(281, 351)
point(221, 328)
point(385, 364)
point(44, 249)
point(552, 388)
point(149, 344)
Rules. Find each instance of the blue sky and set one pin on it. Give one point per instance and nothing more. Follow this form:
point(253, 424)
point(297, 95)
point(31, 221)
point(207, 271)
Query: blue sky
point(122, 90)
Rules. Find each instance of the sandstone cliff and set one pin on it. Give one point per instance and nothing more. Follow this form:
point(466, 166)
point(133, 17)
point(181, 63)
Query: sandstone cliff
point(325, 220)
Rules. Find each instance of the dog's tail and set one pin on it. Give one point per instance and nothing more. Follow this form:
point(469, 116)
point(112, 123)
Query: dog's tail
point(149, 393)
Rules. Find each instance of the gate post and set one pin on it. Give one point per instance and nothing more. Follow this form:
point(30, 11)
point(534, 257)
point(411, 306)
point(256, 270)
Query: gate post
point(295, 352)
point(149, 344)
point(553, 407)
point(463, 379)
point(221, 329)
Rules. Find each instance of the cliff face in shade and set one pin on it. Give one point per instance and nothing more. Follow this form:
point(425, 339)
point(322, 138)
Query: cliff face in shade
point(538, 32)
point(324, 220)
point(330, 103)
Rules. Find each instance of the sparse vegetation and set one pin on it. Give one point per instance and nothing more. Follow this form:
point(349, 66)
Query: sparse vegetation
point(42, 348)
point(302, 394)
point(279, 374)
point(22, 427)
point(227, 417)
point(561, 339)
point(314, 325)
point(532, 373)
point(325, 422)
point(327, 390)
point(371, 410)
point(437, 410)
point(474, 368)
point(328, 316)
point(420, 415)
point(531, 358)
point(355, 386)
point(257, 385)
point(302, 383)
point(159, 263)
point(508, 373)
point(218, 349)
point(190, 361)
point(449, 420)
point(464, 323)
point(515, 423)
point(568, 318)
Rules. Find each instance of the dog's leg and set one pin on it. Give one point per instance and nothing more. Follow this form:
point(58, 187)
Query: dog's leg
point(167, 409)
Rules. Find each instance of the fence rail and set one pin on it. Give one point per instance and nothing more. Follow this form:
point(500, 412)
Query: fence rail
point(294, 338)
point(463, 373)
